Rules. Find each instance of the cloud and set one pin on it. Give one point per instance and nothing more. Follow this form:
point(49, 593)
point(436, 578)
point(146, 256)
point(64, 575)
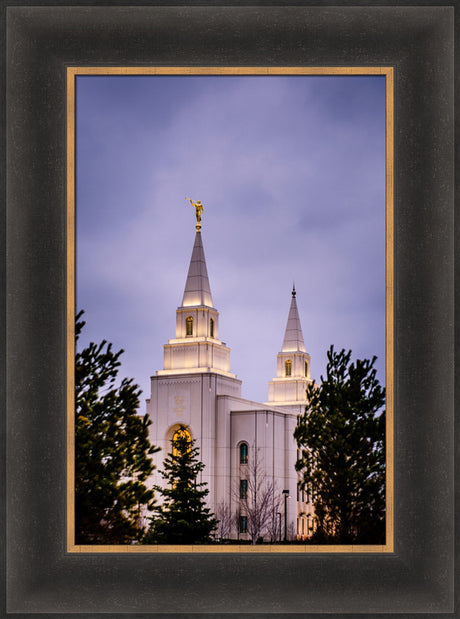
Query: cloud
point(291, 173)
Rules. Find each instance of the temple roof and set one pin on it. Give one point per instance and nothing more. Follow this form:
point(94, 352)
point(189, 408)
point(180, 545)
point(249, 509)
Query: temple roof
point(293, 338)
point(197, 291)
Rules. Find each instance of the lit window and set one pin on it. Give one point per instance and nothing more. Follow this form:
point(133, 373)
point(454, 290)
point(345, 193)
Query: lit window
point(211, 328)
point(181, 433)
point(288, 367)
point(189, 325)
point(243, 488)
point(306, 368)
point(243, 524)
point(243, 453)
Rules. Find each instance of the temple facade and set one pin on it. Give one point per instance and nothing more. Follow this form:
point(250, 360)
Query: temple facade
point(242, 443)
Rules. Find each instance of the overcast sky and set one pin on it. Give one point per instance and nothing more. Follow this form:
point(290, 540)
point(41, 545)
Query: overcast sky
point(291, 173)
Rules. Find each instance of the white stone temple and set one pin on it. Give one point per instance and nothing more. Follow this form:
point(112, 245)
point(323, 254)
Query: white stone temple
point(196, 388)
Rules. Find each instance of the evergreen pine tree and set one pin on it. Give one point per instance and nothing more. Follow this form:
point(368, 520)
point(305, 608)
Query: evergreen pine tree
point(341, 438)
point(183, 518)
point(112, 450)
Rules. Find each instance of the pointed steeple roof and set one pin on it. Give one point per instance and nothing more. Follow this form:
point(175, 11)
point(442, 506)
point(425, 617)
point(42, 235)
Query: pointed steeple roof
point(197, 290)
point(293, 338)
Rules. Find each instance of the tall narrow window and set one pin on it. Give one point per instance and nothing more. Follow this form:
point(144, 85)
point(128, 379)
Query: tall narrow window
point(288, 367)
point(243, 524)
point(243, 453)
point(211, 328)
point(189, 325)
point(306, 368)
point(243, 488)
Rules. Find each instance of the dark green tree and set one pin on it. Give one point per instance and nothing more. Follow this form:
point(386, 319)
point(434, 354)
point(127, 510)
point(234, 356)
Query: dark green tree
point(183, 518)
point(341, 438)
point(112, 450)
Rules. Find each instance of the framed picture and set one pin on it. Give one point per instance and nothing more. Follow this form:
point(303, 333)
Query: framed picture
point(313, 134)
point(45, 45)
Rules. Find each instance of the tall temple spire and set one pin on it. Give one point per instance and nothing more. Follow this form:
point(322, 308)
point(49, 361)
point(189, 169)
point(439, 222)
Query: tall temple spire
point(197, 290)
point(197, 349)
point(293, 338)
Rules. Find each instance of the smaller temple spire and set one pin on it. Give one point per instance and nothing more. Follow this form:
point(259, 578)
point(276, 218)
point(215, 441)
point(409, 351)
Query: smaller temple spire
point(287, 389)
point(293, 338)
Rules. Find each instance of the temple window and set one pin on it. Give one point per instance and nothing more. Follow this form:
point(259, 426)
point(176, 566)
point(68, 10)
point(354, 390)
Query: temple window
point(244, 453)
point(211, 328)
point(306, 368)
point(288, 367)
point(181, 433)
point(243, 488)
point(189, 325)
point(243, 524)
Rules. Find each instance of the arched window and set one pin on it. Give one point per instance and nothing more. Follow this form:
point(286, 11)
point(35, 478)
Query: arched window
point(189, 325)
point(244, 453)
point(211, 328)
point(243, 488)
point(306, 368)
point(177, 440)
point(288, 367)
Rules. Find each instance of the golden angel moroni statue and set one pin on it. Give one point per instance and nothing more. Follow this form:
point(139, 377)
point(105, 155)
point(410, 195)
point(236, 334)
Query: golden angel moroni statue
point(198, 208)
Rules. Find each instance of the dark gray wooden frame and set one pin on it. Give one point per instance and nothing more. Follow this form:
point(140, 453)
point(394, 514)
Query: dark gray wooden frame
point(39, 576)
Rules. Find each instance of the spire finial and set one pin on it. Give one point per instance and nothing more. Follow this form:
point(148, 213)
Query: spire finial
point(293, 338)
point(198, 208)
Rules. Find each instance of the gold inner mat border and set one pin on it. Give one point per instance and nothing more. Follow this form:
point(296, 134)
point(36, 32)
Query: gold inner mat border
point(254, 70)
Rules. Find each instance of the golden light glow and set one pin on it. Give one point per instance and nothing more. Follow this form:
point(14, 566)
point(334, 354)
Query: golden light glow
point(189, 325)
point(194, 300)
point(181, 433)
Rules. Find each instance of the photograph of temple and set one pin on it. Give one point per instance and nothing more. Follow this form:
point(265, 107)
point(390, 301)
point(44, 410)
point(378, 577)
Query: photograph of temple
point(230, 309)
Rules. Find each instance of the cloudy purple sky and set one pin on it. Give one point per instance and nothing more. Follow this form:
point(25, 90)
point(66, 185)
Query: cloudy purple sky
point(291, 172)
